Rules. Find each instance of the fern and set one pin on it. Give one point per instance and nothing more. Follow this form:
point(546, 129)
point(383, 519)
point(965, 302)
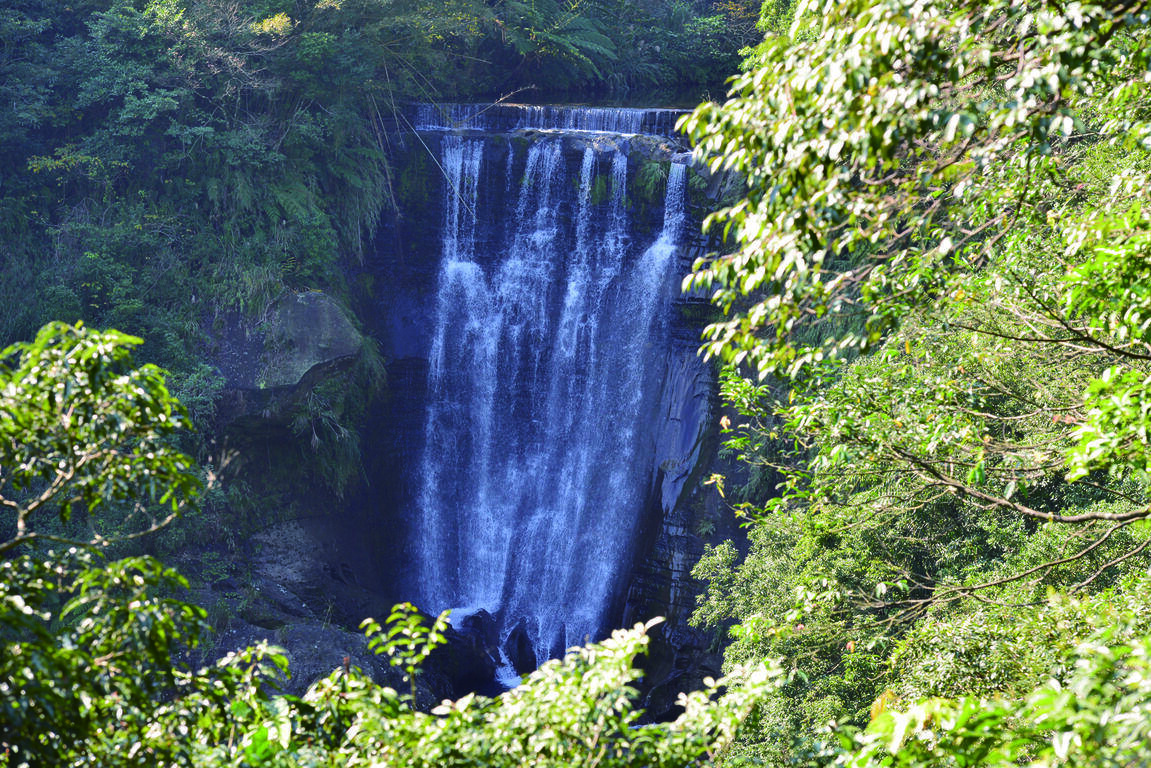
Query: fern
point(543, 29)
point(293, 199)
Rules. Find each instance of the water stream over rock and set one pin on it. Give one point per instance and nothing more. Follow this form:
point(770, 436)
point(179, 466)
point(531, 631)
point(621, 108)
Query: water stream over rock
point(545, 333)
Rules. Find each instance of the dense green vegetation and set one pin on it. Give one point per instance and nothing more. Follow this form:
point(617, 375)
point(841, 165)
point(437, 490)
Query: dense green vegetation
point(94, 668)
point(937, 295)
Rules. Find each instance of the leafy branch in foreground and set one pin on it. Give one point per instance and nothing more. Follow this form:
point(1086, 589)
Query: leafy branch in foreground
point(899, 145)
point(80, 428)
point(1094, 708)
point(407, 642)
point(91, 675)
point(93, 667)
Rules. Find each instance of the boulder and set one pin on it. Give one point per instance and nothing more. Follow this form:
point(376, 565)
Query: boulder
point(304, 332)
point(466, 660)
point(269, 363)
point(520, 651)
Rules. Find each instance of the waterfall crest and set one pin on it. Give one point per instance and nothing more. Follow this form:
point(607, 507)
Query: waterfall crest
point(510, 117)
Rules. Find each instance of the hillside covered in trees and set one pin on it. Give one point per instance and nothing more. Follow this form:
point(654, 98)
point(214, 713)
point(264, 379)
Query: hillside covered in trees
point(169, 162)
point(171, 168)
point(932, 299)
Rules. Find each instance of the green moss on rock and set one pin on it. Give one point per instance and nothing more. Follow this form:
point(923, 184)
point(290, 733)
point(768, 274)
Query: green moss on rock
point(303, 331)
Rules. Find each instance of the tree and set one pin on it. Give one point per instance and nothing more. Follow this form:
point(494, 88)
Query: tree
point(82, 430)
point(91, 649)
point(1096, 709)
point(938, 270)
point(956, 192)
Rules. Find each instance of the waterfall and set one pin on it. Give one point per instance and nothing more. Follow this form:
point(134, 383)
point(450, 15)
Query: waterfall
point(537, 451)
point(510, 117)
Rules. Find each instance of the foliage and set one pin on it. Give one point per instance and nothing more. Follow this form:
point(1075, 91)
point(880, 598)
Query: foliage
point(91, 649)
point(407, 643)
point(91, 667)
point(546, 29)
point(577, 711)
point(1004, 379)
point(94, 663)
point(993, 650)
point(324, 419)
point(939, 260)
point(80, 427)
point(870, 118)
point(1093, 713)
point(109, 689)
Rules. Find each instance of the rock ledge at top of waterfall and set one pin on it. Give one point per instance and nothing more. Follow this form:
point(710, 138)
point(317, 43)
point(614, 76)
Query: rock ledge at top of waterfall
point(504, 117)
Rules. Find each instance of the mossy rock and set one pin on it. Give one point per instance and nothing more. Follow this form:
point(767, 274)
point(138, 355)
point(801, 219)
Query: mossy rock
point(303, 331)
point(697, 312)
point(412, 181)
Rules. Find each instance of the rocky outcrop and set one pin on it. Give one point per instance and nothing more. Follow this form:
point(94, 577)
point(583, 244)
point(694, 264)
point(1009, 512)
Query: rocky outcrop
point(268, 363)
point(661, 583)
point(307, 586)
point(684, 516)
point(685, 413)
point(680, 655)
point(305, 332)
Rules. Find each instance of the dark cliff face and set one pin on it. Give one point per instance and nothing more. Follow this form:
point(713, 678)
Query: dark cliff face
point(683, 515)
point(547, 420)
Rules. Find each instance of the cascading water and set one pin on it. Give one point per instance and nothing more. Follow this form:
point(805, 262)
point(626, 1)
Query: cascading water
point(508, 117)
point(537, 458)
